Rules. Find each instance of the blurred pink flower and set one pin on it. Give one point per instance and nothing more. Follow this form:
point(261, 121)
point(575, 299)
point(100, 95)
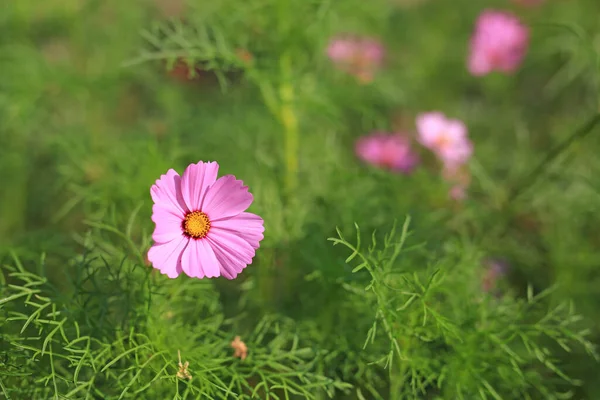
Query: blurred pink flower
point(499, 43)
point(458, 192)
point(447, 138)
point(341, 50)
point(495, 269)
point(389, 151)
point(360, 57)
point(201, 227)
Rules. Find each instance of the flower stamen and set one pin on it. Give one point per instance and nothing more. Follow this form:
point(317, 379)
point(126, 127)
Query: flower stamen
point(442, 141)
point(196, 225)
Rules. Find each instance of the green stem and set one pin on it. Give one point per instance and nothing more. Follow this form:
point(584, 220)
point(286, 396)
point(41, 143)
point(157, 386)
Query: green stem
point(499, 230)
point(396, 386)
point(530, 179)
point(289, 121)
point(266, 280)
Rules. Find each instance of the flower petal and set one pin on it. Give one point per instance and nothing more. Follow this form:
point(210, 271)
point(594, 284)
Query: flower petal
point(234, 244)
point(430, 125)
point(209, 260)
point(168, 225)
point(456, 130)
point(199, 260)
point(341, 49)
point(167, 193)
point(195, 181)
point(457, 154)
point(190, 264)
point(248, 226)
point(233, 252)
point(499, 42)
point(230, 266)
point(226, 198)
point(166, 257)
point(478, 63)
point(369, 148)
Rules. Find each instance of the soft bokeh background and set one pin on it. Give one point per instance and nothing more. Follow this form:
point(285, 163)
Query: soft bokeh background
point(88, 122)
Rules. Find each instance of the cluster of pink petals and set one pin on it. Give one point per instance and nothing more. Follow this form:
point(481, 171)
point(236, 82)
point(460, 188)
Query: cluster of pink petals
point(499, 43)
point(358, 56)
point(388, 151)
point(232, 235)
point(446, 138)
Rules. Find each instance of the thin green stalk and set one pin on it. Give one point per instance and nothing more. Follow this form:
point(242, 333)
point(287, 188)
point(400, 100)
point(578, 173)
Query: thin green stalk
point(282, 107)
point(4, 391)
point(396, 384)
point(289, 121)
point(266, 286)
point(530, 179)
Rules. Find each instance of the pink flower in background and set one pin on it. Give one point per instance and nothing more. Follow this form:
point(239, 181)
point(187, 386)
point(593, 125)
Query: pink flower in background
point(341, 50)
point(447, 138)
point(494, 270)
point(389, 151)
point(201, 227)
point(458, 193)
point(360, 57)
point(499, 43)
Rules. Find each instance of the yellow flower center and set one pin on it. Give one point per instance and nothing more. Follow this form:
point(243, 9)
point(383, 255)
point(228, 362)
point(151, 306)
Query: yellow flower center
point(442, 141)
point(196, 225)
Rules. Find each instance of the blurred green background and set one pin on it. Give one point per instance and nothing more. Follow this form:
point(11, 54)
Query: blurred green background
point(85, 129)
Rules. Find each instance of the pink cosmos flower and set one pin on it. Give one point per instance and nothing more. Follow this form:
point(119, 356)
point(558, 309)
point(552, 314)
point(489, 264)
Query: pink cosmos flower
point(389, 151)
point(499, 43)
point(201, 227)
point(447, 138)
point(360, 57)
